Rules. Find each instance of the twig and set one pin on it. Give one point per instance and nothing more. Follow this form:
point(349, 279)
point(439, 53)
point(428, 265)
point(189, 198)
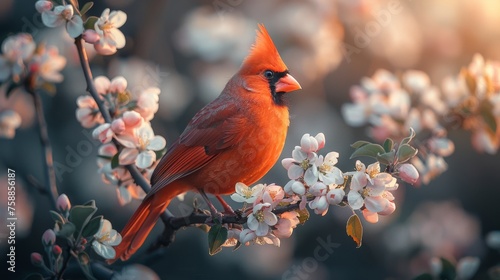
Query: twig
point(65, 264)
point(50, 175)
point(176, 223)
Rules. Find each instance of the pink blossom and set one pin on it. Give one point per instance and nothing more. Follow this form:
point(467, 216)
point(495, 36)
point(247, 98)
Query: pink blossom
point(62, 15)
point(88, 113)
point(49, 237)
point(286, 223)
point(105, 86)
point(36, 259)
point(104, 133)
point(140, 147)
point(147, 102)
point(16, 50)
point(63, 204)
point(272, 194)
point(261, 218)
point(408, 173)
point(47, 63)
point(90, 36)
point(111, 38)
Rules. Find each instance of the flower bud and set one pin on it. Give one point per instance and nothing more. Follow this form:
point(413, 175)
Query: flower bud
point(63, 204)
point(308, 143)
point(36, 259)
point(43, 6)
point(118, 126)
point(90, 36)
point(335, 196)
point(49, 237)
point(320, 137)
point(408, 173)
point(132, 119)
point(57, 250)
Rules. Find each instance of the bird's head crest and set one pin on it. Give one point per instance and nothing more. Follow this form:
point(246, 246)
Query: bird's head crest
point(263, 55)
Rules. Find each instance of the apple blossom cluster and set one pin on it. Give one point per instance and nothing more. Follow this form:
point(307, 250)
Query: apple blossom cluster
point(79, 229)
point(390, 104)
point(23, 63)
point(129, 138)
point(315, 182)
point(101, 31)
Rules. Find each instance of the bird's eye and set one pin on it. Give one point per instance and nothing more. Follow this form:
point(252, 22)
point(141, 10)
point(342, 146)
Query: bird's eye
point(268, 74)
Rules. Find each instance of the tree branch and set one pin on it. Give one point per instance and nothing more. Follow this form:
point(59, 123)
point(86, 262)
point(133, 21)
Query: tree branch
point(50, 175)
point(198, 217)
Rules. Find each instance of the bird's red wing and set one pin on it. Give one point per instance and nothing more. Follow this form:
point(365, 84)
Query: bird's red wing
point(215, 128)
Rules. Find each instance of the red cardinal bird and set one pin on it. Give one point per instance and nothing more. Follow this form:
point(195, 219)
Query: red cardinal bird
point(237, 137)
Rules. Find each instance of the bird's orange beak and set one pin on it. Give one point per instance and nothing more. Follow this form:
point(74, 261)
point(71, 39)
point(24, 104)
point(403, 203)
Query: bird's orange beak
point(287, 84)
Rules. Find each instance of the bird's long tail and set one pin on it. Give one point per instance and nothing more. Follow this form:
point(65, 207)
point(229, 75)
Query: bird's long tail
point(142, 222)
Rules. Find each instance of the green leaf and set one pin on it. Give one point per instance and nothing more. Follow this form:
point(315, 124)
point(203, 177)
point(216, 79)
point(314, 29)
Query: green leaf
point(406, 152)
point(386, 158)
point(448, 271)
point(86, 7)
point(34, 276)
point(388, 144)
point(80, 215)
point(359, 144)
point(216, 237)
point(90, 203)
point(67, 230)
point(369, 150)
point(486, 110)
point(90, 22)
point(355, 230)
point(115, 162)
point(56, 217)
point(84, 262)
point(425, 276)
point(160, 153)
point(92, 227)
point(409, 138)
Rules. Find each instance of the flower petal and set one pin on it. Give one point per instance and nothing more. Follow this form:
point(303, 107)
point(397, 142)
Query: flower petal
point(51, 19)
point(117, 18)
point(295, 171)
point(128, 156)
point(270, 218)
point(355, 199)
point(376, 203)
point(102, 84)
point(75, 26)
point(145, 159)
point(157, 143)
point(118, 38)
point(104, 251)
point(370, 217)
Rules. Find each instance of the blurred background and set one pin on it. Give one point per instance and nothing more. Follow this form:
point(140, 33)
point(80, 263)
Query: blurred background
point(191, 48)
